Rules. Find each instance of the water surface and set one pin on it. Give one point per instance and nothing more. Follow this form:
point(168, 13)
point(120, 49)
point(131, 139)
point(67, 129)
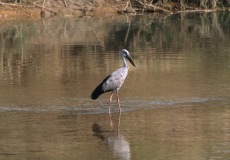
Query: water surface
point(175, 103)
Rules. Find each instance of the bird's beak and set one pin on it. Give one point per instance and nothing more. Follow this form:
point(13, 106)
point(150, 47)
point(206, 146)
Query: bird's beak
point(131, 60)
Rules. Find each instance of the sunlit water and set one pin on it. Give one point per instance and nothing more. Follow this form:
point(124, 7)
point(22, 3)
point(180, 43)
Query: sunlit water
point(175, 103)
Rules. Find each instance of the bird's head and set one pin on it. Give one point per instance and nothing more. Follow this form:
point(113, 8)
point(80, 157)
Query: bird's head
point(125, 53)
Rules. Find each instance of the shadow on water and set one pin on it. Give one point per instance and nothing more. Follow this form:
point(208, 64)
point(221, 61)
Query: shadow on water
point(113, 139)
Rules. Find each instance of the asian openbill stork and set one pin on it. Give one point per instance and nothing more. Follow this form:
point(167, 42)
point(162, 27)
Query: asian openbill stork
point(114, 81)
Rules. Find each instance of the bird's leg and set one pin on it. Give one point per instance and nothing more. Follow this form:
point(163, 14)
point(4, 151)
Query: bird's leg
point(111, 121)
point(118, 102)
point(110, 101)
point(119, 121)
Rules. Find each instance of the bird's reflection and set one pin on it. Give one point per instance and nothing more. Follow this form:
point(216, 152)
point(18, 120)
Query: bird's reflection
point(118, 122)
point(113, 139)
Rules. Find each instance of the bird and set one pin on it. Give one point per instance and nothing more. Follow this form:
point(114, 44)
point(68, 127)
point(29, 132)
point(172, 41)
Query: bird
point(113, 82)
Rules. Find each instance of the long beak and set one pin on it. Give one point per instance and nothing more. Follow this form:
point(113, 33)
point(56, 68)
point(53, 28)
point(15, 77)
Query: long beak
point(131, 60)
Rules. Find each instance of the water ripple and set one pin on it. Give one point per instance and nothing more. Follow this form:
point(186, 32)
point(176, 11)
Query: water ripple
point(86, 106)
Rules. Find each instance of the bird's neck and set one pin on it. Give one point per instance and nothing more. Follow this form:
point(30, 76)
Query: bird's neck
point(124, 62)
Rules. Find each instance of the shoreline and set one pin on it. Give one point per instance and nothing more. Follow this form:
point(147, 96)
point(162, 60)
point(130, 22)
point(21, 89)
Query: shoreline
point(38, 10)
point(12, 11)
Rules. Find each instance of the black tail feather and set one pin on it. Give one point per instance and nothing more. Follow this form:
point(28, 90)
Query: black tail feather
point(97, 92)
point(99, 89)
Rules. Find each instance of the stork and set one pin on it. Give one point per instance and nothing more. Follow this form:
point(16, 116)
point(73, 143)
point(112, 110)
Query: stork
point(114, 81)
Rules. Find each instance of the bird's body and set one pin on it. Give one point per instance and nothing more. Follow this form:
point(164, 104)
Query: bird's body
point(114, 81)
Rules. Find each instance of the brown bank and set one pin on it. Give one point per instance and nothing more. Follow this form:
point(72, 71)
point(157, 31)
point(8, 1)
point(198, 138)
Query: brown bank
point(35, 9)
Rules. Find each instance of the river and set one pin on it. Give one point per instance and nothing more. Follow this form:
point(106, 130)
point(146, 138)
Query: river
point(175, 102)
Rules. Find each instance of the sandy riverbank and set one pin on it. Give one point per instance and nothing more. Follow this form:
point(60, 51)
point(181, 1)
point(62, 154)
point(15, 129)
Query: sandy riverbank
point(37, 10)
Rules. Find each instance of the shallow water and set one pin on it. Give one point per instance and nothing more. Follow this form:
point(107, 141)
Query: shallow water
point(175, 103)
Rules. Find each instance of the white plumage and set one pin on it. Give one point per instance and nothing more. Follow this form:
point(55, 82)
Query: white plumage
point(116, 80)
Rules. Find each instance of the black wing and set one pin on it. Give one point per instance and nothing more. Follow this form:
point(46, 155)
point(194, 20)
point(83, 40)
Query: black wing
point(99, 89)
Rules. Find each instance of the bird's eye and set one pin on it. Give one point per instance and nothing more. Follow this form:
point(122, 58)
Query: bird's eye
point(124, 53)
